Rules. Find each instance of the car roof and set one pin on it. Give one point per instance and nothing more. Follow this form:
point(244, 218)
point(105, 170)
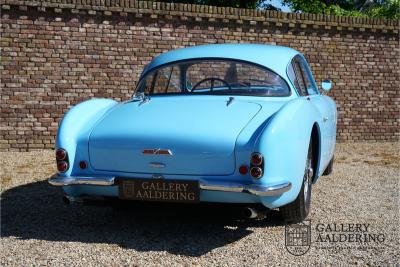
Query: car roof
point(272, 57)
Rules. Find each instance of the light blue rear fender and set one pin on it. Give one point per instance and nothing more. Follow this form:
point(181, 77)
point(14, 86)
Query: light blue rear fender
point(284, 145)
point(75, 129)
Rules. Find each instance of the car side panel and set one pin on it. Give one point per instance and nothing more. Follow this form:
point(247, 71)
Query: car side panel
point(327, 111)
point(327, 117)
point(332, 124)
point(284, 144)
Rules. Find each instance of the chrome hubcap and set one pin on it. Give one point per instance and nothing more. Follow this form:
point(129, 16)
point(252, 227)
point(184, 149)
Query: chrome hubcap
point(308, 174)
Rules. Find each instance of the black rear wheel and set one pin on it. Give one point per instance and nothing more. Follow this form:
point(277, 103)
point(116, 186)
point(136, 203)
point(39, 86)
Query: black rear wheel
point(298, 210)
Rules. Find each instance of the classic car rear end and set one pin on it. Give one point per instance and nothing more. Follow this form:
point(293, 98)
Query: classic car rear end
point(215, 123)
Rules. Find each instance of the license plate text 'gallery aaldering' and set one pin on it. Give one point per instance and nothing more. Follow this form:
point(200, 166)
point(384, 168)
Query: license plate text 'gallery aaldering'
point(160, 190)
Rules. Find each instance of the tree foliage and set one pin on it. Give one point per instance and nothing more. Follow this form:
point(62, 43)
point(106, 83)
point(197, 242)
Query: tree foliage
point(229, 3)
point(359, 8)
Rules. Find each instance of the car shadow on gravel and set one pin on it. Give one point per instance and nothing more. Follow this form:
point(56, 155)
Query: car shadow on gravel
point(36, 211)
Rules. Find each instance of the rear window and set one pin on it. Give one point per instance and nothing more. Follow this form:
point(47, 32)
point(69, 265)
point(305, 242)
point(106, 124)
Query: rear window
point(213, 76)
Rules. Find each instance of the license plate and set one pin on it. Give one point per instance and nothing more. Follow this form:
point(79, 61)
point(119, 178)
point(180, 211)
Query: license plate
point(160, 190)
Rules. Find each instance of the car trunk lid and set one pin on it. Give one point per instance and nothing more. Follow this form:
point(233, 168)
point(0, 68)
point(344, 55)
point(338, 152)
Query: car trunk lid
point(199, 132)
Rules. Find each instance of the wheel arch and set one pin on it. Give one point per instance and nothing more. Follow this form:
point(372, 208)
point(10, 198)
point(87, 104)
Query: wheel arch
point(316, 147)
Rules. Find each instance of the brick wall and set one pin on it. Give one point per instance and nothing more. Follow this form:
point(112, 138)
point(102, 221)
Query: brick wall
point(60, 52)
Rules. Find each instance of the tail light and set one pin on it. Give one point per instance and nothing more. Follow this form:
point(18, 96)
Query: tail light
point(61, 154)
point(256, 165)
point(82, 164)
point(256, 172)
point(243, 169)
point(256, 159)
point(62, 166)
point(62, 160)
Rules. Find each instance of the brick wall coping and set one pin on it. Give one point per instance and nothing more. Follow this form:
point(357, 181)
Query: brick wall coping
point(203, 12)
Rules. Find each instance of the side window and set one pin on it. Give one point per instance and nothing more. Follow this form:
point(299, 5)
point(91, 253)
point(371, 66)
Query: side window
point(299, 78)
point(148, 84)
point(292, 77)
point(306, 74)
point(167, 81)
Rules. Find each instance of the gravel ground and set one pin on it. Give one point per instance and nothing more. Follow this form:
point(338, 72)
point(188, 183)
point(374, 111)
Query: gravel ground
point(38, 229)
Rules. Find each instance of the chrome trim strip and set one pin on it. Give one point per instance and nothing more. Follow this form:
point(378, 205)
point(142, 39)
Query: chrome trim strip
point(62, 180)
point(254, 189)
point(157, 165)
point(157, 151)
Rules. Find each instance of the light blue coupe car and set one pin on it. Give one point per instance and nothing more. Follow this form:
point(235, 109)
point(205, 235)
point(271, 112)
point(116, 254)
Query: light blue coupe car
point(230, 123)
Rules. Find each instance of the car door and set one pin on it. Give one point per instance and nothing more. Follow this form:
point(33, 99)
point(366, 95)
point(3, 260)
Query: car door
point(306, 86)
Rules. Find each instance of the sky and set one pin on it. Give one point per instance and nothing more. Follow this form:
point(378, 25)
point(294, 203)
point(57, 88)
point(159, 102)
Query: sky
point(278, 3)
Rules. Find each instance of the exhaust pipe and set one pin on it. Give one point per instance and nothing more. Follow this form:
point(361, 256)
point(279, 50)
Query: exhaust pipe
point(250, 213)
point(254, 213)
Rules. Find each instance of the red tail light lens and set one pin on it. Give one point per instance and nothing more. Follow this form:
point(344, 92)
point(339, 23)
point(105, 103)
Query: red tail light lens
point(62, 160)
point(82, 165)
point(256, 172)
point(62, 166)
point(256, 159)
point(257, 165)
point(243, 169)
point(61, 154)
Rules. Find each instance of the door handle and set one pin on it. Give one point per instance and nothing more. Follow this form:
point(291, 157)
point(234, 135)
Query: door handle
point(325, 119)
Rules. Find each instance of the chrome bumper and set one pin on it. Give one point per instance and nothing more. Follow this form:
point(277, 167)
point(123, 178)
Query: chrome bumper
point(254, 189)
point(63, 181)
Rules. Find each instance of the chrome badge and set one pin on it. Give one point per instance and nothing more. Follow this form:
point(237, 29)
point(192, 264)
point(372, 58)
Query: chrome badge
point(157, 151)
point(156, 165)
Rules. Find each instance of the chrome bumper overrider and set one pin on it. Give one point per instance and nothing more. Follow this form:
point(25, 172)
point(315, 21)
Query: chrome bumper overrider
point(255, 189)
